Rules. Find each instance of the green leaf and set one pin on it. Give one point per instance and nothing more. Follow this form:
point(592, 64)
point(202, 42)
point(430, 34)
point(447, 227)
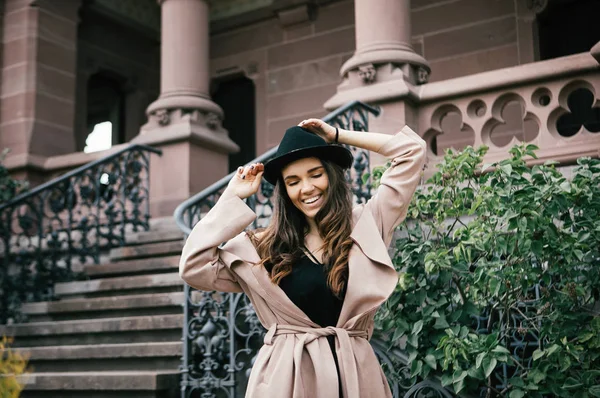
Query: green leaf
point(459, 375)
point(537, 354)
point(516, 394)
point(507, 169)
point(417, 327)
point(431, 361)
point(552, 349)
point(594, 391)
point(446, 380)
point(416, 368)
point(459, 386)
point(489, 364)
point(413, 340)
point(500, 350)
point(571, 384)
point(479, 358)
point(441, 323)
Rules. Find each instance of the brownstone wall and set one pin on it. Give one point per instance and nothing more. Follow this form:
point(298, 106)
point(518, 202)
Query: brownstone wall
point(38, 78)
point(296, 68)
point(463, 37)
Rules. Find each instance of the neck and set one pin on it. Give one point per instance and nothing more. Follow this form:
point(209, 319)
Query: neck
point(312, 226)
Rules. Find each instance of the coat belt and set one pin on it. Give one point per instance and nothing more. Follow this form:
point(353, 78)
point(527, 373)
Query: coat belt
point(344, 352)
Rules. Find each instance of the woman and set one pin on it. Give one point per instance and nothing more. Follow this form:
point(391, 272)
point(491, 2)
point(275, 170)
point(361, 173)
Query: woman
point(318, 273)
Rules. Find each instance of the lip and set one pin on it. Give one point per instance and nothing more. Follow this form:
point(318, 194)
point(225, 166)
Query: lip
point(316, 203)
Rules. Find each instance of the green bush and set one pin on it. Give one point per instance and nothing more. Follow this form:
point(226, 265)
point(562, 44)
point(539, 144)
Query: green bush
point(499, 278)
point(9, 187)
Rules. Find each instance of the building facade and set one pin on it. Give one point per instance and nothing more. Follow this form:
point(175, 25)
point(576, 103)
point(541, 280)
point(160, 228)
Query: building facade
point(216, 83)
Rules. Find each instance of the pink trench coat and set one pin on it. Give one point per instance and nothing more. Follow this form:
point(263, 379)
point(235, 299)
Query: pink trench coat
point(296, 360)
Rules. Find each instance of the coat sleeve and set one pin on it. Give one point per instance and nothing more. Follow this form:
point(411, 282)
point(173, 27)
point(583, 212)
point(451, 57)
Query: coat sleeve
point(390, 203)
point(203, 264)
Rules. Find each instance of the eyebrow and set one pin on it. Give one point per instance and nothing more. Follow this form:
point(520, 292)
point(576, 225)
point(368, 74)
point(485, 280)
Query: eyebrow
point(308, 172)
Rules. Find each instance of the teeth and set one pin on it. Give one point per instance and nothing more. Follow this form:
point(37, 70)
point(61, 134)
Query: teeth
point(312, 200)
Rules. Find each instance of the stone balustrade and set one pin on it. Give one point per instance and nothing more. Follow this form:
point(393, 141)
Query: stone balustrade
point(552, 104)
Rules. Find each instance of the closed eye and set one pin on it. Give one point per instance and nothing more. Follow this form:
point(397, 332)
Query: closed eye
point(317, 175)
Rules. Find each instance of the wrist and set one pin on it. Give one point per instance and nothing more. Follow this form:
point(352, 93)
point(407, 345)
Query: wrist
point(229, 193)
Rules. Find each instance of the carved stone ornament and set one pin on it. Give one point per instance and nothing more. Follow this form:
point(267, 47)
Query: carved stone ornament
point(162, 117)
point(422, 75)
point(212, 120)
point(367, 73)
point(537, 6)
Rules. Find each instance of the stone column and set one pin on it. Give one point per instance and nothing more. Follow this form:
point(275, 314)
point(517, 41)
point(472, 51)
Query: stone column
point(383, 36)
point(184, 122)
point(384, 69)
point(39, 47)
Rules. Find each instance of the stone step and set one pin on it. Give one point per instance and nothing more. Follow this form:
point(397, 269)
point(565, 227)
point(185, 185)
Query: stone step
point(105, 307)
point(146, 250)
point(135, 329)
point(132, 267)
point(113, 384)
point(156, 236)
point(85, 358)
point(162, 223)
point(140, 284)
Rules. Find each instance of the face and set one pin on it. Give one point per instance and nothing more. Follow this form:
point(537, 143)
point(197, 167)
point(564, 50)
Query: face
point(306, 184)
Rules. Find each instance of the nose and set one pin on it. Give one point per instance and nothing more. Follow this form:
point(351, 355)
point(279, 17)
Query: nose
point(307, 187)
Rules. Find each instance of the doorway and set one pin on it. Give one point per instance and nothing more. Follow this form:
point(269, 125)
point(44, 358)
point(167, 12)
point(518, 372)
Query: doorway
point(236, 96)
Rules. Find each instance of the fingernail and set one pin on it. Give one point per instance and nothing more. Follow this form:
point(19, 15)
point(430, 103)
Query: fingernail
point(243, 177)
point(252, 166)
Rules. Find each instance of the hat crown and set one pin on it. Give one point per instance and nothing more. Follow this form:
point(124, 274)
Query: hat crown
point(297, 138)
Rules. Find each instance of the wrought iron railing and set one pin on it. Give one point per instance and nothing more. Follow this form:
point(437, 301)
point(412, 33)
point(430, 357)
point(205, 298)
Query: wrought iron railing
point(67, 221)
point(221, 332)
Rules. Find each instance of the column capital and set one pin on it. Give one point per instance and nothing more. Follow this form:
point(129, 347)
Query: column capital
point(382, 53)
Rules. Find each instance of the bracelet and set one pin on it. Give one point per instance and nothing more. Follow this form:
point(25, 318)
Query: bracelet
point(337, 135)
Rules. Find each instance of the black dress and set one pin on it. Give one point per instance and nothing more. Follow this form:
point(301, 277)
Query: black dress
point(307, 287)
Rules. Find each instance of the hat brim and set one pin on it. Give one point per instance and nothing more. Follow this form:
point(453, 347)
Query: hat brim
point(334, 153)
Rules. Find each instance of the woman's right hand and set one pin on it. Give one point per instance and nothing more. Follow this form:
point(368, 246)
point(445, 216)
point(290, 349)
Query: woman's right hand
point(246, 181)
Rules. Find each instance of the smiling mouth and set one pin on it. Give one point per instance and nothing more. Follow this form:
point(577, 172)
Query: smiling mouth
point(311, 200)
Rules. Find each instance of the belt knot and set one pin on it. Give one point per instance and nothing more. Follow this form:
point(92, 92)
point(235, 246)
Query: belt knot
point(310, 334)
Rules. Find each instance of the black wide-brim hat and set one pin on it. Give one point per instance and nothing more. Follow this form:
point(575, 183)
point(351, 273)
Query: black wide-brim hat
point(298, 143)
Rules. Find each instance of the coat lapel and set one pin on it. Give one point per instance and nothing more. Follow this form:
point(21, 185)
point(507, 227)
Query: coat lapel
point(270, 292)
point(371, 275)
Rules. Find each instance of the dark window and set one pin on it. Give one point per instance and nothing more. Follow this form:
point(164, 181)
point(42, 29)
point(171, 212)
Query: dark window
point(568, 27)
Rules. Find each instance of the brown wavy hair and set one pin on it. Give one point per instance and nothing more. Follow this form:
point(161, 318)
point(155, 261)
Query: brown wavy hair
point(280, 244)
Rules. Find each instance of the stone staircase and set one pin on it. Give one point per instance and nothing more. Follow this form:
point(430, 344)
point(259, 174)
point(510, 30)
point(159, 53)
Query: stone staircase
point(117, 334)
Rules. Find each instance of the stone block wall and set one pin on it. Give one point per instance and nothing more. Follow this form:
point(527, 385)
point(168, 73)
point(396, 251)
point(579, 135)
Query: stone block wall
point(296, 67)
point(38, 78)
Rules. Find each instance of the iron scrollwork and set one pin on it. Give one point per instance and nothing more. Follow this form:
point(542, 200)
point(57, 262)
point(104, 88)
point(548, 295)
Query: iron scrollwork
point(70, 221)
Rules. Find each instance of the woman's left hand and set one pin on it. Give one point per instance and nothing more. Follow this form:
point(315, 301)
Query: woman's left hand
point(320, 128)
